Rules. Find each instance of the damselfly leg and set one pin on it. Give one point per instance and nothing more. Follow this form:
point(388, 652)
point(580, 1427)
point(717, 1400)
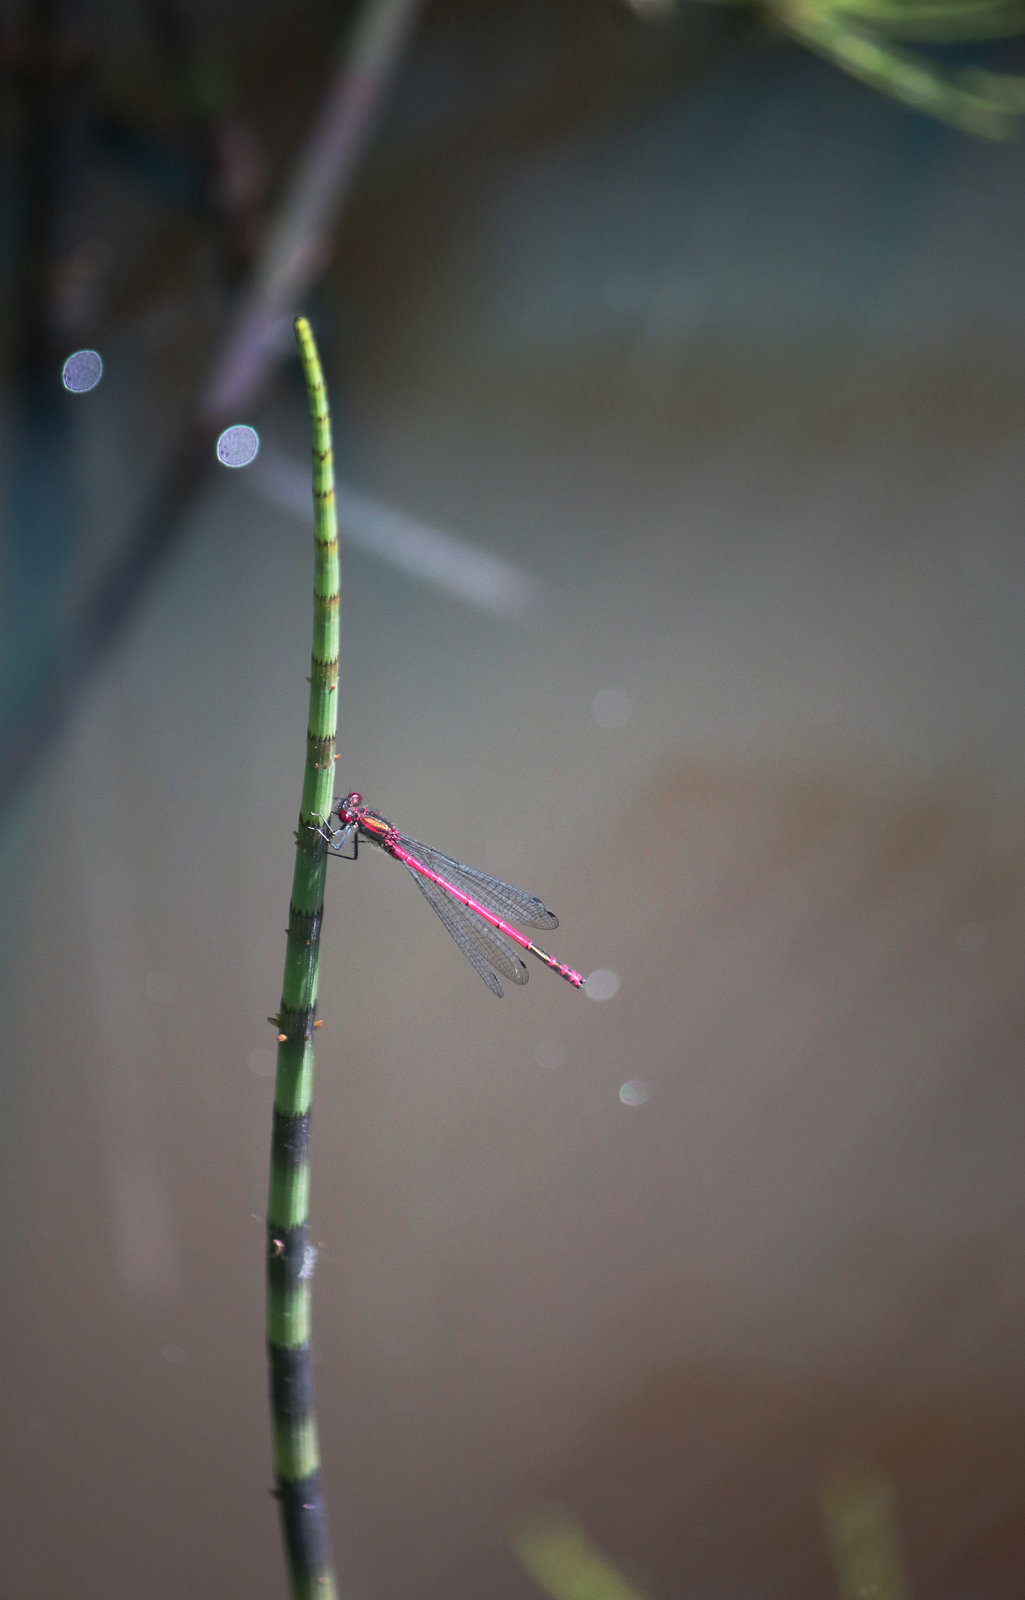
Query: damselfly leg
point(336, 838)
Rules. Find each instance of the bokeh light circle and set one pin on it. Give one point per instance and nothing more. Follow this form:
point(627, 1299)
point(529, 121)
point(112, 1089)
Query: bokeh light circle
point(238, 445)
point(602, 984)
point(82, 371)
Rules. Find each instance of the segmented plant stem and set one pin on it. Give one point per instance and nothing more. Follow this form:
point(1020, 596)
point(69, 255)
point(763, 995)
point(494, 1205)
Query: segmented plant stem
point(289, 1253)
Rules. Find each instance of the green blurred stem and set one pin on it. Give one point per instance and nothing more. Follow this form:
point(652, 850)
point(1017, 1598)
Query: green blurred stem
point(289, 1254)
point(977, 101)
point(942, 21)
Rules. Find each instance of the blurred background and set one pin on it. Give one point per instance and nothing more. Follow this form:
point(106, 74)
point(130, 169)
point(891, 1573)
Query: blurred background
point(679, 393)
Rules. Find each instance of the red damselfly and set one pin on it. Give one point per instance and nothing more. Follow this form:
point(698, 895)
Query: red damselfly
point(472, 905)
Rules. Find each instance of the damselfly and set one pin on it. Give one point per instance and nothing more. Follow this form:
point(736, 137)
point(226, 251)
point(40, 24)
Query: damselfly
point(472, 905)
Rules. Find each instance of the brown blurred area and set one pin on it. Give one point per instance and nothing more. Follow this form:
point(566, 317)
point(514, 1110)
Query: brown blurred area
point(724, 354)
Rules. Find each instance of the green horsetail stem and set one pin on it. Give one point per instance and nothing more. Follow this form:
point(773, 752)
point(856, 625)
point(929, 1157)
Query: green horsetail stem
point(289, 1253)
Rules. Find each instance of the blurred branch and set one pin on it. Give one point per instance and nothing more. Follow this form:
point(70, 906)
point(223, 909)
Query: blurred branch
point(298, 243)
point(426, 553)
point(296, 250)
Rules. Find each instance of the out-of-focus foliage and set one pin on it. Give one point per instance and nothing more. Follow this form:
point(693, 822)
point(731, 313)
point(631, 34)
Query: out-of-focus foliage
point(861, 1530)
point(868, 39)
point(555, 1548)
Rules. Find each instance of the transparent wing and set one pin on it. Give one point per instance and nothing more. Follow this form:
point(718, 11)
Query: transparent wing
point(501, 898)
point(483, 946)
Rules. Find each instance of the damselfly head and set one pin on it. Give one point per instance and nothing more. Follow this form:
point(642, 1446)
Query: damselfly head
point(349, 809)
